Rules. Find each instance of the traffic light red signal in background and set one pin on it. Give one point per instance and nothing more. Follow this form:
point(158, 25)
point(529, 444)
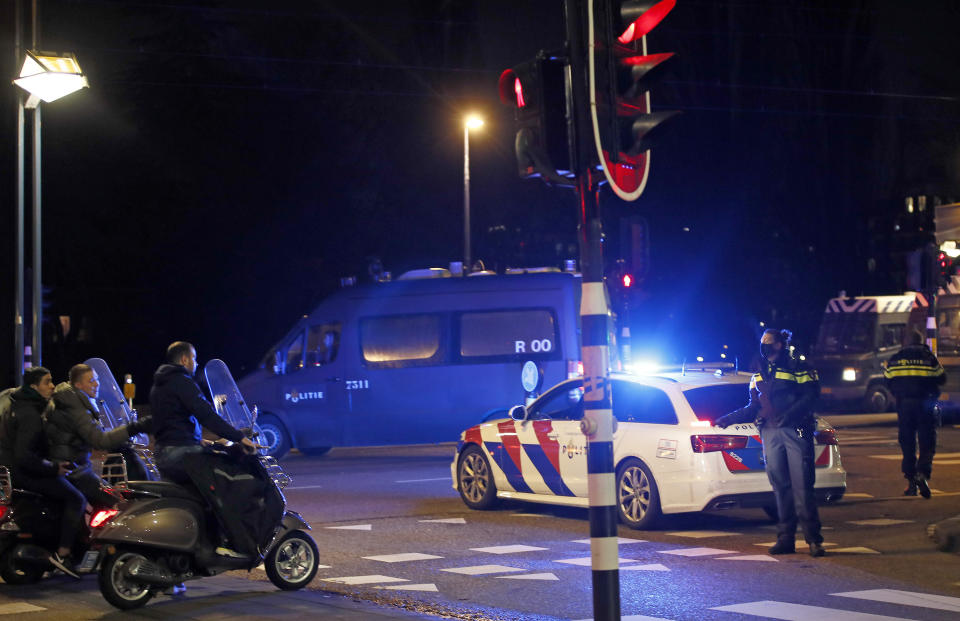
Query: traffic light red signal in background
point(627, 281)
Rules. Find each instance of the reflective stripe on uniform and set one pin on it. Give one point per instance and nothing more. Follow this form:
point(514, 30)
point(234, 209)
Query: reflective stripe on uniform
point(800, 377)
point(913, 371)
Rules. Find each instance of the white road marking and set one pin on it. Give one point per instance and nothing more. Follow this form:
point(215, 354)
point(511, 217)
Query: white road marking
point(304, 487)
point(700, 534)
point(445, 521)
point(429, 588)
point(800, 612)
point(857, 495)
point(879, 522)
point(508, 549)
point(906, 598)
point(620, 541)
point(650, 567)
point(856, 550)
point(482, 570)
point(526, 515)
point(543, 576)
point(768, 544)
point(401, 558)
point(946, 462)
point(369, 579)
point(636, 618)
point(586, 561)
point(696, 552)
point(351, 527)
point(939, 457)
point(19, 607)
point(423, 480)
point(750, 557)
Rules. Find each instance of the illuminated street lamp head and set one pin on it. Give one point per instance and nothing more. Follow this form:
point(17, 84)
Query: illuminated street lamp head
point(48, 77)
point(473, 122)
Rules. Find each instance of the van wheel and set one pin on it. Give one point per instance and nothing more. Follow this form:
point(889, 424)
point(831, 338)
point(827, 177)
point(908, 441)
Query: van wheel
point(638, 499)
point(878, 399)
point(316, 451)
point(273, 435)
point(475, 479)
point(117, 588)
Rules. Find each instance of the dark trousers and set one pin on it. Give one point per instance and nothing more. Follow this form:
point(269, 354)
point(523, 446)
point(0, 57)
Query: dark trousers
point(72, 502)
point(918, 425)
point(790, 468)
point(89, 485)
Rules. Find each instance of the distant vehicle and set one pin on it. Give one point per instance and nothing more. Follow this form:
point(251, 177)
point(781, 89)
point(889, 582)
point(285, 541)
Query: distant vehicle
point(858, 335)
point(669, 457)
point(414, 360)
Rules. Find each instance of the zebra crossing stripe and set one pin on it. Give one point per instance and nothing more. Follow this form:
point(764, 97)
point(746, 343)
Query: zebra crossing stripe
point(18, 608)
point(906, 598)
point(801, 612)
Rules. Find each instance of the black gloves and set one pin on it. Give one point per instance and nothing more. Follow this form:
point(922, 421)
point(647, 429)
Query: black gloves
point(142, 425)
point(723, 422)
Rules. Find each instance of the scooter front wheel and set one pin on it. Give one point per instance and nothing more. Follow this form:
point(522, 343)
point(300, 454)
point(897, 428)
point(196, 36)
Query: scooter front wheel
point(117, 588)
point(293, 562)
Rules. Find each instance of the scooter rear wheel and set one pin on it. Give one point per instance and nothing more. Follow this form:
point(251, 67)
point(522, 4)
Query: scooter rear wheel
point(293, 562)
point(119, 590)
point(16, 573)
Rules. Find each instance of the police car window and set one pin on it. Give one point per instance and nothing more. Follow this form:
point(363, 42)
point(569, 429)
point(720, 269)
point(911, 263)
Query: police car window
point(509, 335)
point(712, 402)
point(323, 341)
point(295, 354)
point(562, 403)
point(891, 335)
point(401, 340)
point(635, 403)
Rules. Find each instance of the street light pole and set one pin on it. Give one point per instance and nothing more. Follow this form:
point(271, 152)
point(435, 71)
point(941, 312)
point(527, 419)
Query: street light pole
point(18, 286)
point(466, 197)
point(36, 328)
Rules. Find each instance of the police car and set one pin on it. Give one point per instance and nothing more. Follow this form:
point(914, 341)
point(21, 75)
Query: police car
point(669, 456)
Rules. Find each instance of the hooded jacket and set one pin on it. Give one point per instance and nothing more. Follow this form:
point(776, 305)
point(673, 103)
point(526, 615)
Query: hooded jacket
point(783, 394)
point(22, 444)
point(915, 373)
point(179, 409)
point(73, 427)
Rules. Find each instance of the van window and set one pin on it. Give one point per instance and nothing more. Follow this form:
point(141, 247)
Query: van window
point(295, 354)
point(891, 335)
point(323, 341)
point(493, 336)
point(401, 340)
point(634, 403)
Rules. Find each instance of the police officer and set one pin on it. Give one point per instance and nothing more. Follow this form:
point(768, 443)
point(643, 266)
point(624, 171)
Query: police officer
point(914, 376)
point(782, 397)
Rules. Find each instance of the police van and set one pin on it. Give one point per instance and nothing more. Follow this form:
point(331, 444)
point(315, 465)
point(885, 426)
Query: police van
point(414, 360)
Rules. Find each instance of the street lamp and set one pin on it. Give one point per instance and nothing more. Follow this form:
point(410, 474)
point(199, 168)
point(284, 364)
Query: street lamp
point(46, 77)
point(471, 122)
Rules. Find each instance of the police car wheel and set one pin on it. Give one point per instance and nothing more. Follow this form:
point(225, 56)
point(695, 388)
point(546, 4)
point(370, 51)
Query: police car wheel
point(273, 435)
point(638, 499)
point(475, 479)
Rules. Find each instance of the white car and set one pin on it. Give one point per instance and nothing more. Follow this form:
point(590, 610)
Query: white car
point(669, 456)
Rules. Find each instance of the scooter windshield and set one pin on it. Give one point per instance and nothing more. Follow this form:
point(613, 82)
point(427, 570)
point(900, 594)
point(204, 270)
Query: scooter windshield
point(114, 410)
point(226, 396)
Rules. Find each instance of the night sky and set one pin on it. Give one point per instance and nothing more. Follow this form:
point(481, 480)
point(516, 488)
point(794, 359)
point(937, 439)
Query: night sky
point(232, 160)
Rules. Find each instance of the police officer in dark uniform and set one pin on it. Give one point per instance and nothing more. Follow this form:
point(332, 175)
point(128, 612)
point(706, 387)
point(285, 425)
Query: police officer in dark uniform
point(782, 397)
point(914, 376)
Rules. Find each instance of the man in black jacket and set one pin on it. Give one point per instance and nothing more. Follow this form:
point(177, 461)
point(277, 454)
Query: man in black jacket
point(914, 376)
point(782, 397)
point(179, 410)
point(73, 429)
point(22, 450)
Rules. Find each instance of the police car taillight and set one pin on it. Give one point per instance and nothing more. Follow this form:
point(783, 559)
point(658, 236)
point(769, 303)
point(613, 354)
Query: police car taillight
point(709, 444)
point(102, 517)
point(826, 436)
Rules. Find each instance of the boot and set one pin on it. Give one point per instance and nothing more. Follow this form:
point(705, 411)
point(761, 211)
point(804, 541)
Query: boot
point(923, 486)
point(911, 488)
point(782, 546)
point(816, 550)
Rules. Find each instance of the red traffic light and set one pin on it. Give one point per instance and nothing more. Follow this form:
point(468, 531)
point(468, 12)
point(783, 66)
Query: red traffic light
point(627, 280)
point(645, 17)
point(511, 89)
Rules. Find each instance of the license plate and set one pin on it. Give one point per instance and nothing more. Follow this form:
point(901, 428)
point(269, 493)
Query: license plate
point(89, 560)
point(826, 390)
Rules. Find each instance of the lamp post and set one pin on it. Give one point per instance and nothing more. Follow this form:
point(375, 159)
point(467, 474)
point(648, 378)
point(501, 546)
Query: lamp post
point(45, 77)
point(471, 122)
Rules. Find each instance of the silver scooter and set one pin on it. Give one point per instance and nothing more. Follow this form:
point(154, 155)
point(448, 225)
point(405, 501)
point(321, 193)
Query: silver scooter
point(164, 534)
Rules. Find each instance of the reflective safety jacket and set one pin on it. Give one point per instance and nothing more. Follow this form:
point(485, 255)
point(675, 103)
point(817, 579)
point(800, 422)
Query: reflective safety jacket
point(914, 373)
point(781, 395)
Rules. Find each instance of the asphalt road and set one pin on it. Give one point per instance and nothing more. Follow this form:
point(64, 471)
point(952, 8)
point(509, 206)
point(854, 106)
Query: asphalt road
point(392, 531)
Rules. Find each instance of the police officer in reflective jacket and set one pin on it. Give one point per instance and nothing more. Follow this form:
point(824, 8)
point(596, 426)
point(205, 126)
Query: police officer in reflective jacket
point(914, 376)
point(782, 397)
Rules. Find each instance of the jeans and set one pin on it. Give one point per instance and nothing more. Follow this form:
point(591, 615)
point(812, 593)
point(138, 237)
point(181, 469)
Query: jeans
point(71, 500)
point(918, 424)
point(89, 485)
point(170, 461)
point(790, 468)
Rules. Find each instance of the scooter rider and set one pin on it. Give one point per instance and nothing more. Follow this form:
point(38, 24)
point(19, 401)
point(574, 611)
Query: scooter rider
point(73, 429)
point(22, 450)
point(179, 410)
point(782, 397)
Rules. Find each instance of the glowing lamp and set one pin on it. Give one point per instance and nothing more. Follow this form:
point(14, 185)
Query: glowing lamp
point(48, 78)
point(473, 122)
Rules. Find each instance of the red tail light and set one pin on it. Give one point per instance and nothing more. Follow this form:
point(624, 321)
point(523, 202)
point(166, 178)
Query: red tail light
point(3, 511)
point(826, 436)
point(102, 517)
point(709, 444)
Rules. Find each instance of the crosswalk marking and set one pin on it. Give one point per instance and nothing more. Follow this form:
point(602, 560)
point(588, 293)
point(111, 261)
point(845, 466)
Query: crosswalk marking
point(636, 618)
point(938, 458)
point(620, 541)
point(368, 579)
point(401, 558)
point(750, 557)
point(691, 552)
point(800, 612)
point(459, 520)
point(650, 567)
point(585, 561)
point(543, 576)
point(482, 570)
point(18, 608)
point(906, 598)
point(700, 534)
point(856, 550)
point(771, 543)
point(351, 527)
point(857, 495)
point(428, 588)
point(513, 549)
point(879, 522)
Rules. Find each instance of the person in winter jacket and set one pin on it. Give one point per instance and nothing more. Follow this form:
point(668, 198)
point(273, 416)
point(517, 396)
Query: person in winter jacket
point(23, 451)
point(914, 376)
point(73, 429)
point(782, 397)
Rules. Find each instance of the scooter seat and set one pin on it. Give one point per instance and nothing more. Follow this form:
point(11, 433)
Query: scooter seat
point(166, 489)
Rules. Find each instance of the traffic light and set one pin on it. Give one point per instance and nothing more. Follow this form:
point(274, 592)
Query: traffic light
point(622, 72)
point(539, 93)
point(627, 281)
point(635, 246)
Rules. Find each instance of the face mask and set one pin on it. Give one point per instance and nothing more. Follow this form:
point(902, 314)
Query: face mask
point(767, 349)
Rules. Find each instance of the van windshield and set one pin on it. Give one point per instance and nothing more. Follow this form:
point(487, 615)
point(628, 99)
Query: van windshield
point(847, 332)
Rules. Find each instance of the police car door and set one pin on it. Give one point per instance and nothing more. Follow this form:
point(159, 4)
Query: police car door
point(557, 448)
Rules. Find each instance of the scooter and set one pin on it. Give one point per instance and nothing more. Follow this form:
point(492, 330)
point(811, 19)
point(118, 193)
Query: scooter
point(165, 534)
